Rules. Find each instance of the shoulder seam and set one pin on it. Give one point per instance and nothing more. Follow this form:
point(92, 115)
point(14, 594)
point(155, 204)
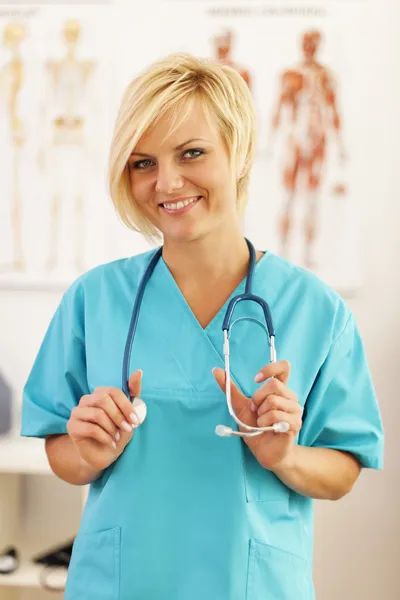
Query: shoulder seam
point(350, 315)
point(65, 302)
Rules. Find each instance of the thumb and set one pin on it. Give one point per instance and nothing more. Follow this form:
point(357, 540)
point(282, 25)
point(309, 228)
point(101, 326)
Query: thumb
point(240, 402)
point(135, 383)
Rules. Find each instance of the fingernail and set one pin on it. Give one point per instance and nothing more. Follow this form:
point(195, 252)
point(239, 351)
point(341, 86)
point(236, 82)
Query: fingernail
point(117, 436)
point(258, 377)
point(114, 445)
point(134, 418)
point(140, 371)
point(126, 426)
point(212, 370)
point(253, 407)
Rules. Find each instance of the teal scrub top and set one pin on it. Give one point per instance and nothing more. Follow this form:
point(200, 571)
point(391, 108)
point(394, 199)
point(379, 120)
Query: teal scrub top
point(184, 514)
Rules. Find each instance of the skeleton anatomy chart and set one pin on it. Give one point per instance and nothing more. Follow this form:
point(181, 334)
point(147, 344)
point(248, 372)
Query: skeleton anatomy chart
point(55, 89)
point(66, 108)
point(302, 62)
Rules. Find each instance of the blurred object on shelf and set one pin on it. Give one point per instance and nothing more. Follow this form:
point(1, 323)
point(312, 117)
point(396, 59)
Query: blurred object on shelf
point(9, 560)
point(5, 406)
point(55, 566)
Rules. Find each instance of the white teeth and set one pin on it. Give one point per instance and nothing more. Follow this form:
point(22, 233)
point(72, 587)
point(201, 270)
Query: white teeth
point(177, 205)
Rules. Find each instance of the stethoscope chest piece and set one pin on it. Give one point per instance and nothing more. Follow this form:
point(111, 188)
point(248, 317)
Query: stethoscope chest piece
point(140, 409)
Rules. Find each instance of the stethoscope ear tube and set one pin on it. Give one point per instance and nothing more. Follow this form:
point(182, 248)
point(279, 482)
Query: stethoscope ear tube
point(252, 298)
point(223, 430)
point(134, 319)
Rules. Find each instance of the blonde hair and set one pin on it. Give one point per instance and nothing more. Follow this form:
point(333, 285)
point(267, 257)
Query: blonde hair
point(173, 84)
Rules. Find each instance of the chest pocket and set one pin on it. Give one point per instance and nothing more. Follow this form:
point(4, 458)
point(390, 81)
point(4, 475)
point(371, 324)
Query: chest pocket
point(261, 485)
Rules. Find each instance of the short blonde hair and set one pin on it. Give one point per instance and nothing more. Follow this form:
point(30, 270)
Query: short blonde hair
point(173, 84)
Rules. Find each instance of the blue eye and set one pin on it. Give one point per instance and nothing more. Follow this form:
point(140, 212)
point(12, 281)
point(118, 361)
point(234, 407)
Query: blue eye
point(194, 152)
point(141, 164)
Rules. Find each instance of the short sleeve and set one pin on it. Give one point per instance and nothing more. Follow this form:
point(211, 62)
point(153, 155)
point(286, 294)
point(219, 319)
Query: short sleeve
point(58, 378)
point(341, 411)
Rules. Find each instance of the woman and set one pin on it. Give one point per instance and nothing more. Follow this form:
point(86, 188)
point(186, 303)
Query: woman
point(174, 511)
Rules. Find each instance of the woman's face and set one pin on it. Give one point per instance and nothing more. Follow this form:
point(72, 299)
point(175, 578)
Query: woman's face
point(183, 182)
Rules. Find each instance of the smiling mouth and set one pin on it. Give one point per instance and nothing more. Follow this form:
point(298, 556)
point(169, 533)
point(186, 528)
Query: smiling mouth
point(179, 206)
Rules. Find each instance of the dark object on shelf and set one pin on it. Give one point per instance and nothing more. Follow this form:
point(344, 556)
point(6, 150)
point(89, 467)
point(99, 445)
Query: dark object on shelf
point(55, 566)
point(56, 557)
point(9, 560)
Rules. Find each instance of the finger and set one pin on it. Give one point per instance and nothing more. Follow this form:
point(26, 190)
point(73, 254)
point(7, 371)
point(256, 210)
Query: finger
point(84, 430)
point(272, 386)
point(92, 414)
point(125, 405)
point(240, 402)
point(135, 383)
point(278, 403)
point(279, 369)
point(109, 399)
point(278, 416)
point(219, 375)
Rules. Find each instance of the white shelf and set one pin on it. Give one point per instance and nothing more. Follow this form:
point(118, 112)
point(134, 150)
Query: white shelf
point(39, 283)
point(23, 455)
point(28, 576)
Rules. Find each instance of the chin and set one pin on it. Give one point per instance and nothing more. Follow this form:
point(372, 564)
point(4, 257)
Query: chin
point(184, 234)
point(182, 237)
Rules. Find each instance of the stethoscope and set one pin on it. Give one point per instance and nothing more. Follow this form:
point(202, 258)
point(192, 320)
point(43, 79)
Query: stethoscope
point(221, 430)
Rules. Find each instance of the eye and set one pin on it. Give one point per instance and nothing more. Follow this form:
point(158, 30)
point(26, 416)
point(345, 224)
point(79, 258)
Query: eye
point(141, 164)
point(193, 153)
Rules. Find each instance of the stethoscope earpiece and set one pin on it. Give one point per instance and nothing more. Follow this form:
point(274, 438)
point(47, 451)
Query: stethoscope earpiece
point(223, 431)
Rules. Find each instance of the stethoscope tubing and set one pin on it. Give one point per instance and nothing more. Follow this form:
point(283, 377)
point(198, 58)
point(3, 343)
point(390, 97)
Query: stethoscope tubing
point(226, 327)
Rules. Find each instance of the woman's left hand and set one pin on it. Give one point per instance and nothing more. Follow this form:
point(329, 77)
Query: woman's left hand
point(272, 402)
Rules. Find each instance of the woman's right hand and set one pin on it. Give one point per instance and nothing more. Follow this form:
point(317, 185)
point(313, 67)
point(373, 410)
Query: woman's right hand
point(103, 423)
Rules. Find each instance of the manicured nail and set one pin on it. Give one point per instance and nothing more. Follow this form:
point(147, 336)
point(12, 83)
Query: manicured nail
point(114, 445)
point(126, 426)
point(117, 436)
point(134, 419)
point(258, 377)
point(212, 370)
point(253, 407)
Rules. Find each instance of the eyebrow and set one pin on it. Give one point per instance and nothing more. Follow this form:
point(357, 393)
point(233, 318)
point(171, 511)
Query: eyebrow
point(176, 148)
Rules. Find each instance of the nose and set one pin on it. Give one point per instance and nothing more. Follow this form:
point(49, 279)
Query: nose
point(169, 179)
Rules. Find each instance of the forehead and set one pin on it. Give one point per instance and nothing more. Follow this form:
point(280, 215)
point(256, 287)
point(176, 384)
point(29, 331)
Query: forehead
point(170, 130)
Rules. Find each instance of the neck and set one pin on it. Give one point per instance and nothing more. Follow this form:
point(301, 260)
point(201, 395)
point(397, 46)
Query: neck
point(218, 255)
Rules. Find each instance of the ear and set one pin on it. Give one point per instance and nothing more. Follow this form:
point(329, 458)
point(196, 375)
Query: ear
point(243, 170)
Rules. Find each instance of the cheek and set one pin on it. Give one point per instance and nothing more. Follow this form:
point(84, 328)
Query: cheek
point(216, 178)
point(141, 189)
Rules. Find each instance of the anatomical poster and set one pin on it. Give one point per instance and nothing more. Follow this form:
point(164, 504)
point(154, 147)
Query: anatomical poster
point(306, 65)
point(55, 82)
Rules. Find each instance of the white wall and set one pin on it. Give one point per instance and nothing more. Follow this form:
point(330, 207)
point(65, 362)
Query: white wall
point(358, 538)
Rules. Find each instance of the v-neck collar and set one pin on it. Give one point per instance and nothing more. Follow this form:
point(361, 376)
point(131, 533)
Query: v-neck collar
point(221, 312)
